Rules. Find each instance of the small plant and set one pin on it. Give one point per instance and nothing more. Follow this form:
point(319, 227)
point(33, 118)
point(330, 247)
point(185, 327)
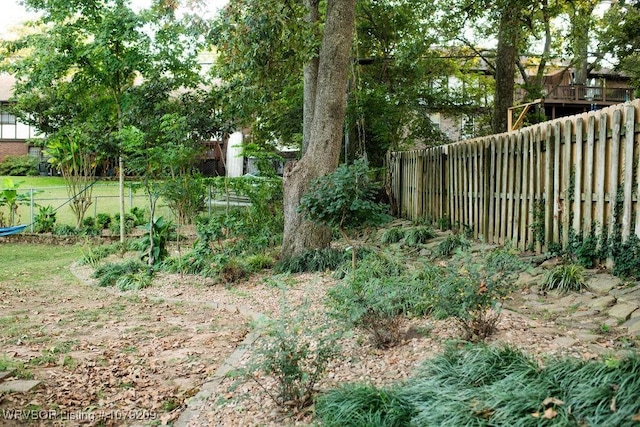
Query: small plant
point(392, 235)
point(91, 254)
point(451, 243)
point(313, 260)
point(45, 220)
point(564, 278)
point(11, 198)
point(257, 262)
point(419, 235)
point(295, 351)
point(444, 223)
point(470, 294)
point(153, 245)
point(139, 216)
point(134, 281)
point(103, 221)
point(626, 257)
point(129, 223)
point(64, 230)
point(109, 274)
point(357, 405)
point(377, 296)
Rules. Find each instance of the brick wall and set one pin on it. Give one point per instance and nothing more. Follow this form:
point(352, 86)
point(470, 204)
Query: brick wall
point(13, 148)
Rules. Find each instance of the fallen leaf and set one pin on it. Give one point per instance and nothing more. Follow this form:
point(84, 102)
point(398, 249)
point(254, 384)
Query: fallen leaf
point(549, 413)
point(636, 417)
point(552, 401)
point(613, 405)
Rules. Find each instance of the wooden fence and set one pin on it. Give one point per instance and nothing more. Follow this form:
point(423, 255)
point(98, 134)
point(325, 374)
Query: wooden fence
point(532, 186)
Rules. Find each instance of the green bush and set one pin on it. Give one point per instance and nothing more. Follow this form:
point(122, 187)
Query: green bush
point(326, 259)
point(19, 166)
point(419, 235)
point(344, 199)
point(153, 246)
point(357, 405)
point(45, 220)
point(377, 296)
point(295, 352)
point(110, 273)
point(564, 278)
point(451, 243)
point(65, 230)
point(470, 294)
point(392, 235)
point(103, 221)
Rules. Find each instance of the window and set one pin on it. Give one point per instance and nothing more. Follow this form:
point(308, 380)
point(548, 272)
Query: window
point(5, 117)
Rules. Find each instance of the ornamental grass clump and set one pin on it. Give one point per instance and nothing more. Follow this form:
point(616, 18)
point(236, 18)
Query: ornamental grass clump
point(564, 278)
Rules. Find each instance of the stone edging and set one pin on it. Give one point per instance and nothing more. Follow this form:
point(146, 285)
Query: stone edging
point(196, 403)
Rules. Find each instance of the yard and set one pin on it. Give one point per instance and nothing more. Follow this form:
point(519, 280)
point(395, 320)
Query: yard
point(106, 354)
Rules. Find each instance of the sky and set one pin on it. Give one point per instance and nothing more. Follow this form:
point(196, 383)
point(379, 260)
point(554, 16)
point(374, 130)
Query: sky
point(12, 14)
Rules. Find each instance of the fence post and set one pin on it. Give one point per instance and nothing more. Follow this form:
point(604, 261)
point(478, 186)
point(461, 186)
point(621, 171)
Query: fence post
point(31, 208)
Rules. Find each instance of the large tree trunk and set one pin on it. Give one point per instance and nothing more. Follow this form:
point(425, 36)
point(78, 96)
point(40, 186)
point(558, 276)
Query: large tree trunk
point(325, 138)
point(506, 56)
point(310, 80)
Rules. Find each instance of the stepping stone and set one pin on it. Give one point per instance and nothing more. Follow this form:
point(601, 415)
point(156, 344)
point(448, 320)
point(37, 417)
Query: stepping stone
point(20, 386)
point(602, 283)
point(564, 342)
point(633, 326)
point(603, 302)
point(622, 311)
point(631, 295)
point(5, 374)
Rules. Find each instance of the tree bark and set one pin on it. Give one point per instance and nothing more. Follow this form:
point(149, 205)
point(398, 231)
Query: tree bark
point(326, 129)
point(310, 80)
point(506, 56)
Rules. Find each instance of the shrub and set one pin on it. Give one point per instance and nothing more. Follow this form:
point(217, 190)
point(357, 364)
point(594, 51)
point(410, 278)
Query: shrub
point(65, 230)
point(134, 281)
point(344, 199)
point(470, 293)
point(377, 296)
point(103, 221)
point(45, 220)
point(505, 260)
point(419, 235)
point(451, 243)
point(295, 351)
point(153, 246)
point(357, 405)
point(89, 222)
point(110, 273)
point(564, 278)
point(392, 235)
point(313, 260)
point(139, 216)
point(19, 166)
point(129, 223)
point(260, 261)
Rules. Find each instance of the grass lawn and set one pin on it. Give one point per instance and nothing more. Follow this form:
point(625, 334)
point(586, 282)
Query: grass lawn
point(52, 191)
